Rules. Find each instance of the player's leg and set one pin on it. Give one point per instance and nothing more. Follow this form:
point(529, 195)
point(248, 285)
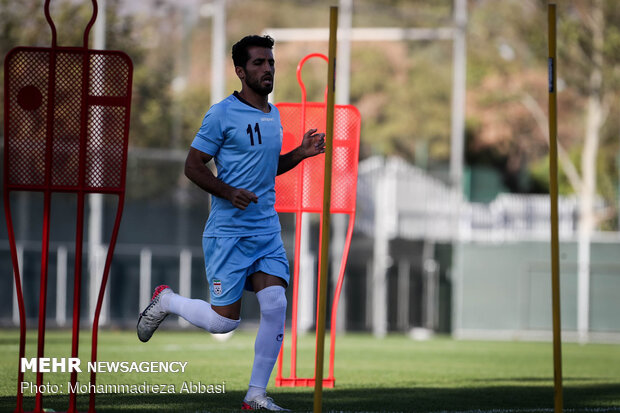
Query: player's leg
point(226, 287)
point(270, 292)
point(214, 319)
point(269, 283)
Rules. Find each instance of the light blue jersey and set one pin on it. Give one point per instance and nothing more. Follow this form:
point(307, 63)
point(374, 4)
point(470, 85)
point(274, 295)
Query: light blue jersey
point(245, 143)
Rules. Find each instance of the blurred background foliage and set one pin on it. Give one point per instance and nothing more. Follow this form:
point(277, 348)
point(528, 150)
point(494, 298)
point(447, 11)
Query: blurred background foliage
point(403, 89)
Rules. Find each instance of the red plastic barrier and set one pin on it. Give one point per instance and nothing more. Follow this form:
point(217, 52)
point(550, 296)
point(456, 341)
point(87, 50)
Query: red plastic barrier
point(301, 190)
point(66, 126)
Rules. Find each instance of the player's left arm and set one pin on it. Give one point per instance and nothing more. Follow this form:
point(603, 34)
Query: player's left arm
point(312, 144)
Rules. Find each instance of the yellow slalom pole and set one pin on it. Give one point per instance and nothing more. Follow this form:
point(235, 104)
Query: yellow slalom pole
point(553, 192)
point(327, 192)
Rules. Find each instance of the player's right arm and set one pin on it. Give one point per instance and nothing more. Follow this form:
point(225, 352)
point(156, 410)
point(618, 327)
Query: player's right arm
point(197, 171)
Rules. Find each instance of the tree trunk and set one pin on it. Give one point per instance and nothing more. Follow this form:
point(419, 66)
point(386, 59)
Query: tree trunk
point(587, 195)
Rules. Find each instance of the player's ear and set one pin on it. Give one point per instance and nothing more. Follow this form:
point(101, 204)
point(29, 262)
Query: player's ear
point(240, 71)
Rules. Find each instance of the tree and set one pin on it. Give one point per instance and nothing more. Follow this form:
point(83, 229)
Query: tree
point(589, 74)
point(592, 43)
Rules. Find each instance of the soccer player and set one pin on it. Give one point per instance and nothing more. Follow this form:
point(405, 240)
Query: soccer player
point(241, 241)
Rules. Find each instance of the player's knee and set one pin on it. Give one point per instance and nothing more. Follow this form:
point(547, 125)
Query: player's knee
point(226, 328)
point(220, 325)
point(272, 301)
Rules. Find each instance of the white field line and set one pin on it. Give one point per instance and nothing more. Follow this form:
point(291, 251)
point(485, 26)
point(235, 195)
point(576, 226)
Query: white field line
point(542, 410)
point(533, 410)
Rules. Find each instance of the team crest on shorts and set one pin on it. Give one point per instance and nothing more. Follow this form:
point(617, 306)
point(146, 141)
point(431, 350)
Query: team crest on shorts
point(217, 287)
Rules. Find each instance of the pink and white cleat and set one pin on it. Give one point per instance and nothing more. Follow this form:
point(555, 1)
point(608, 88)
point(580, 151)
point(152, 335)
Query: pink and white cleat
point(153, 314)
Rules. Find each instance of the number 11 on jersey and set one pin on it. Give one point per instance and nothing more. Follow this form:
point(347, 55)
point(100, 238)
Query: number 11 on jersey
point(257, 130)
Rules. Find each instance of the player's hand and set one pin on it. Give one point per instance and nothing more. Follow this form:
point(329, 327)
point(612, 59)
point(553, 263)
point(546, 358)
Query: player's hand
point(241, 198)
point(312, 144)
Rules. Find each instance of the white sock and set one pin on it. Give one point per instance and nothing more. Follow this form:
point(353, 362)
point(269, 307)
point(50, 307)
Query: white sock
point(272, 302)
point(198, 312)
point(254, 392)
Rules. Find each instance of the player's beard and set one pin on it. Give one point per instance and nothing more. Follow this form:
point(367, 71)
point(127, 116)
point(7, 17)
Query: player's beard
point(256, 85)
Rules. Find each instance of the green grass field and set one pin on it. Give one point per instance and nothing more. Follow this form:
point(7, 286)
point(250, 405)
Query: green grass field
point(395, 374)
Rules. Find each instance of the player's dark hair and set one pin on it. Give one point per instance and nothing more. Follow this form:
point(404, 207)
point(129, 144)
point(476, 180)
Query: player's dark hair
point(240, 53)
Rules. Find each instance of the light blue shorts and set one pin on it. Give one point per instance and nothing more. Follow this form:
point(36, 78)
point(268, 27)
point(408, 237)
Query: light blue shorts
point(230, 261)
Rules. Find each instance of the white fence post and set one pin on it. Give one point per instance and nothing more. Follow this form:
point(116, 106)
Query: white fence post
point(185, 278)
point(20, 260)
point(307, 279)
point(385, 220)
point(404, 274)
point(61, 286)
point(146, 257)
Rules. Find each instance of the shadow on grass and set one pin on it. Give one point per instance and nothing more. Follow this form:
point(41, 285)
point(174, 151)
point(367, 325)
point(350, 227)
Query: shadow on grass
point(565, 380)
point(576, 398)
